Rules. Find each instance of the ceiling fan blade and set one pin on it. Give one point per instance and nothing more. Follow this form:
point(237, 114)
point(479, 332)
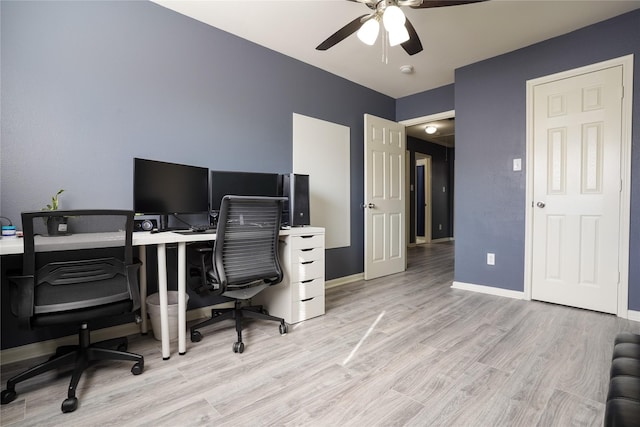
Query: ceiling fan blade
point(434, 3)
point(413, 45)
point(341, 34)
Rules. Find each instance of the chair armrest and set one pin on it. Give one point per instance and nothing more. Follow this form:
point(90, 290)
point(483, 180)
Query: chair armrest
point(134, 286)
point(199, 259)
point(22, 293)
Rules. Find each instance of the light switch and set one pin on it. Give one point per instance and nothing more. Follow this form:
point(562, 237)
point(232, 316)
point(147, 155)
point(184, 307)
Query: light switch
point(491, 258)
point(517, 165)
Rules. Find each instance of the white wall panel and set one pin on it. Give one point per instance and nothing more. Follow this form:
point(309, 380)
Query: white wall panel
point(321, 150)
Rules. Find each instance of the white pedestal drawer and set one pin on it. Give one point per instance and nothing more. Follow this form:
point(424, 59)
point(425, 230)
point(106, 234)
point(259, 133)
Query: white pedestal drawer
point(300, 295)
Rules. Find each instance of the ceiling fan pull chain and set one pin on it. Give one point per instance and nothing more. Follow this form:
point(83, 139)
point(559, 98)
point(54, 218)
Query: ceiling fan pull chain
point(385, 50)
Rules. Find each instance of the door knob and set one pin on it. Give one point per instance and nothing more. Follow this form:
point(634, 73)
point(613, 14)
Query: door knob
point(368, 205)
point(540, 204)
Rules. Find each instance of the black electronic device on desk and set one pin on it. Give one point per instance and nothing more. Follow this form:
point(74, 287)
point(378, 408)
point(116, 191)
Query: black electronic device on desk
point(296, 209)
point(168, 189)
point(234, 183)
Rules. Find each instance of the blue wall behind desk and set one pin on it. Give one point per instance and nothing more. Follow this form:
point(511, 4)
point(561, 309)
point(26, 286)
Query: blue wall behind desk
point(88, 86)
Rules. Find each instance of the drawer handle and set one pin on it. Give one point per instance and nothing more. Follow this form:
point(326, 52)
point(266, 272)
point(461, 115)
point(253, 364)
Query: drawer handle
point(308, 299)
point(307, 237)
point(307, 250)
point(307, 281)
point(307, 262)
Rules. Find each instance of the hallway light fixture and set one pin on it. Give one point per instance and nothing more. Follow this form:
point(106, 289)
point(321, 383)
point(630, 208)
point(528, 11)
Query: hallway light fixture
point(431, 129)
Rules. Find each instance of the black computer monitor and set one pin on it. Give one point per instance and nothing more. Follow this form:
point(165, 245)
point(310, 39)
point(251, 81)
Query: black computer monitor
point(241, 184)
point(161, 188)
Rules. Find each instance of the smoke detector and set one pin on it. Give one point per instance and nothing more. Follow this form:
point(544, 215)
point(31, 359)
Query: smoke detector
point(406, 69)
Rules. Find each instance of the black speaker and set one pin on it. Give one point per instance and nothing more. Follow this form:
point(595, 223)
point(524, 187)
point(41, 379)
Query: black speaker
point(296, 188)
point(144, 224)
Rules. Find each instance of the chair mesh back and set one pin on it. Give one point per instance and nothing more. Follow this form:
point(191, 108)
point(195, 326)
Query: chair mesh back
point(246, 248)
point(85, 269)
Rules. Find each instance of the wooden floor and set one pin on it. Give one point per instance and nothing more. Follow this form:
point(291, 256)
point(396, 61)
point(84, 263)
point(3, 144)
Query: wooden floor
point(404, 350)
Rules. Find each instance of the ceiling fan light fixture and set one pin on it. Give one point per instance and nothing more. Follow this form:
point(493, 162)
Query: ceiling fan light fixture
point(368, 33)
point(398, 36)
point(393, 18)
point(431, 129)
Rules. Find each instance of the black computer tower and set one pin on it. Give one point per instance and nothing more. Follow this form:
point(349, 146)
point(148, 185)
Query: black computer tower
point(296, 209)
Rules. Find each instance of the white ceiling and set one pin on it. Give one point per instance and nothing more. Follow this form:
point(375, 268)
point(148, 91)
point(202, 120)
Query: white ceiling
point(452, 36)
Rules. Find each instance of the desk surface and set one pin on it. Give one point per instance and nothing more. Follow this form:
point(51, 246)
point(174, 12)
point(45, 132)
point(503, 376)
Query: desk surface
point(15, 245)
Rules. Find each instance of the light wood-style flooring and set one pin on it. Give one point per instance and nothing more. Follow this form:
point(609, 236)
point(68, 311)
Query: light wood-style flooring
point(404, 350)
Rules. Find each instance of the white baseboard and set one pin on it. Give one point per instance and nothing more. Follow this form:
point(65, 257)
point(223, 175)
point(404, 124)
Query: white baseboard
point(44, 348)
point(343, 280)
point(633, 315)
point(443, 239)
point(488, 290)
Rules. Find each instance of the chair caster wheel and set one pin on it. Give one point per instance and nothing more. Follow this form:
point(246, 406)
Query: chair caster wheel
point(8, 396)
point(70, 404)
point(283, 329)
point(238, 347)
point(196, 336)
point(137, 369)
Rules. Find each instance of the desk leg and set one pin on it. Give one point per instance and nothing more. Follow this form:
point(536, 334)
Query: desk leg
point(182, 303)
point(164, 303)
point(144, 326)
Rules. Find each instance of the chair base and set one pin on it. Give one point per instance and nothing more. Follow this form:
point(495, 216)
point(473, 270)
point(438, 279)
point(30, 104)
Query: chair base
point(238, 313)
point(80, 356)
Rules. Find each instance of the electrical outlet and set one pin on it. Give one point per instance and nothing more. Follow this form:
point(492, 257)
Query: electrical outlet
point(517, 165)
point(444, 189)
point(491, 258)
point(439, 226)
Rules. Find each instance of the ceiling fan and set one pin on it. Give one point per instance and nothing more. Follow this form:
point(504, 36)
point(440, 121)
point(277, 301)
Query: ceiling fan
point(397, 27)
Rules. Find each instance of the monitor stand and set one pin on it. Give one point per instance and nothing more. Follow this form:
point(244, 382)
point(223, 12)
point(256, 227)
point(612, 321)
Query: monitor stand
point(164, 223)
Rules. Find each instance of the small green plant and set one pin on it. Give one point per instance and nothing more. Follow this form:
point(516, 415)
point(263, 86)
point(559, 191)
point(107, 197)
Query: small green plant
point(53, 206)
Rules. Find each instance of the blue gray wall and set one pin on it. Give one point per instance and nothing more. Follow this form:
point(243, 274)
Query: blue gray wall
point(88, 86)
point(490, 104)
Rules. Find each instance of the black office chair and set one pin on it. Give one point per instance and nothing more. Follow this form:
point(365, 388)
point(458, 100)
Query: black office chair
point(76, 279)
point(244, 262)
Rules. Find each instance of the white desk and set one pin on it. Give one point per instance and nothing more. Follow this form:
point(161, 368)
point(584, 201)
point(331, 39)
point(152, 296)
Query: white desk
point(141, 239)
point(160, 240)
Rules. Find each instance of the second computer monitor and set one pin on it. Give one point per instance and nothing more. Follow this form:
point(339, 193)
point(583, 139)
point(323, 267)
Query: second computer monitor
point(241, 184)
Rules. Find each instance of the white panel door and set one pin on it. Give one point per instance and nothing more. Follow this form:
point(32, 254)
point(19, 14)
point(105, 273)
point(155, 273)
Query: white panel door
point(384, 204)
point(577, 184)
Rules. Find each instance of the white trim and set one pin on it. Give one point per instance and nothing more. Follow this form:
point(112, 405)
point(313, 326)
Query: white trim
point(45, 348)
point(343, 280)
point(424, 160)
point(625, 195)
point(633, 315)
point(429, 118)
point(488, 290)
point(443, 239)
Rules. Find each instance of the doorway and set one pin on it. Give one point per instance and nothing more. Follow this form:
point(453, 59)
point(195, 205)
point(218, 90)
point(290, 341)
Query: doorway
point(432, 152)
point(578, 143)
point(423, 210)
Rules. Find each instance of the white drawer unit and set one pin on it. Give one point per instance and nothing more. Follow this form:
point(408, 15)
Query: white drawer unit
point(300, 295)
